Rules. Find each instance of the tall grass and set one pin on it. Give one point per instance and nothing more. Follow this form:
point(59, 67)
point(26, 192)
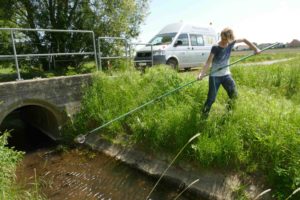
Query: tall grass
point(110, 97)
point(260, 135)
point(281, 78)
point(9, 159)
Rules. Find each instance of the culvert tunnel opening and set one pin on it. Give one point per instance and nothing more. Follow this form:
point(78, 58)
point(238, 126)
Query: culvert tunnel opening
point(24, 135)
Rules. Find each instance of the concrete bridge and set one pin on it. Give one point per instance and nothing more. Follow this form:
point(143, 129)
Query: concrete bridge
point(44, 103)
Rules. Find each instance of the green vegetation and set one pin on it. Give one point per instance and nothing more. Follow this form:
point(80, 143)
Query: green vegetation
point(282, 79)
point(9, 73)
point(266, 56)
point(260, 136)
point(9, 160)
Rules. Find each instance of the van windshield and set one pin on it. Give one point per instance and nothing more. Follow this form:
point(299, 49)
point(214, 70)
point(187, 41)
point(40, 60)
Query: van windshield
point(165, 38)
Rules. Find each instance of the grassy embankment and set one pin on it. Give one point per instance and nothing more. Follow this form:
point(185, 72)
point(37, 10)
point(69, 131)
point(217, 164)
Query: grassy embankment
point(261, 135)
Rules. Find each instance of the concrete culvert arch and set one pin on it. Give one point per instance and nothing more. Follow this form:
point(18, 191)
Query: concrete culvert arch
point(31, 127)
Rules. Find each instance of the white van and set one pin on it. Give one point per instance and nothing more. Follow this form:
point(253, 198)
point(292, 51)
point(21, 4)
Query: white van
point(179, 45)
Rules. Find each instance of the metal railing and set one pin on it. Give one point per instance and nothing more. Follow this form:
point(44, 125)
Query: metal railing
point(128, 48)
point(128, 51)
point(16, 55)
point(126, 45)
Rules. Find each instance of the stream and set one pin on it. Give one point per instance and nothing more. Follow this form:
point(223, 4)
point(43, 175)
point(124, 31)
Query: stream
point(81, 174)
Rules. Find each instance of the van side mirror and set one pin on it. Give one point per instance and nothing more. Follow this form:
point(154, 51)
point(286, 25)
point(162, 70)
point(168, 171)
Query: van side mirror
point(178, 43)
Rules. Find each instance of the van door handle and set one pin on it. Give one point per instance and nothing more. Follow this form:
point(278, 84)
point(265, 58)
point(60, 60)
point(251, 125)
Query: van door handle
point(192, 48)
point(202, 54)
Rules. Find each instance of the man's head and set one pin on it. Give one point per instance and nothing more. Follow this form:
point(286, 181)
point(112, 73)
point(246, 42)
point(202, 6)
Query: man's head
point(227, 34)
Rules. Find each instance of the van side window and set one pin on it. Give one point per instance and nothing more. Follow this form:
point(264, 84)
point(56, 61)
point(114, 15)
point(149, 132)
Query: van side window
point(197, 40)
point(184, 39)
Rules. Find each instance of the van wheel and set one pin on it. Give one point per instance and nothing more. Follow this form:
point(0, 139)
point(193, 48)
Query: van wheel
point(173, 63)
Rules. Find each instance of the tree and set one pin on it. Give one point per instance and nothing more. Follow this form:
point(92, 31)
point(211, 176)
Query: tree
point(5, 14)
point(294, 43)
point(121, 18)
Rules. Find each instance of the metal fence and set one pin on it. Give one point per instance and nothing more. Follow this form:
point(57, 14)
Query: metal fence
point(16, 55)
point(129, 50)
point(126, 45)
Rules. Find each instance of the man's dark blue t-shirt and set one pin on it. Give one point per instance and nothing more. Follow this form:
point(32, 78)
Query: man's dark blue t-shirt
point(221, 59)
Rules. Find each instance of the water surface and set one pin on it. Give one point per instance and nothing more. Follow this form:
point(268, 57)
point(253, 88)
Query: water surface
point(81, 174)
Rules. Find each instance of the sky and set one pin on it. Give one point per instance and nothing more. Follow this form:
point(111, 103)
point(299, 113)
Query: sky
point(260, 21)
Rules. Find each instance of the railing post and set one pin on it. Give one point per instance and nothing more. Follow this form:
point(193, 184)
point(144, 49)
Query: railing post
point(129, 49)
point(95, 50)
point(151, 55)
point(15, 54)
point(127, 53)
point(99, 50)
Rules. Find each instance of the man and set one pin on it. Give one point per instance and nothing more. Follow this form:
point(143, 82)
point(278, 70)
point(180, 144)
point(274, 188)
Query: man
point(220, 75)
